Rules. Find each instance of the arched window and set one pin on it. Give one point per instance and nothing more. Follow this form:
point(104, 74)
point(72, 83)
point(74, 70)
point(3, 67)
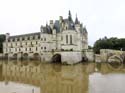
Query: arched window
point(70, 39)
point(66, 39)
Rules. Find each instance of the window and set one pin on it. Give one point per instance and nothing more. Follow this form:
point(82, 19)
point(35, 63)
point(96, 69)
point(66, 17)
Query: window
point(19, 49)
point(13, 39)
point(15, 49)
point(66, 39)
point(11, 45)
point(17, 39)
point(44, 47)
point(22, 38)
point(10, 49)
point(41, 39)
point(44, 39)
point(70, 39)
point(61, 37)
point(38, 36)
point(21, 44)
point(28, 38)
point(41, 47)
point(36, 42)
point(25, 49)
point(66, 27)
point(30, 49)
point(26, 43)
point(36, 49)
point(33, 37)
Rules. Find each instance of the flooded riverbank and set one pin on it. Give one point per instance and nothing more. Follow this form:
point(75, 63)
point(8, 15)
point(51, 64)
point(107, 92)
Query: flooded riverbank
point(35, 77)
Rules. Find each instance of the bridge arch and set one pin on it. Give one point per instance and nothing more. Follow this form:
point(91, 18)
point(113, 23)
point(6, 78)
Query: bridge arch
point(36, 56)
point(115, 61)
point(56, 58)
point(6, 56)
point(15, 56)
point(25, 56)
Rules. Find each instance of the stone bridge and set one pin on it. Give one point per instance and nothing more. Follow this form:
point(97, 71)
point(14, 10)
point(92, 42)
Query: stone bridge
point(65, 57)
point(112, 56)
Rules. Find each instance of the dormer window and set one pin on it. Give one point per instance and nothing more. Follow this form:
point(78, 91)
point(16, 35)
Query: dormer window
point(17, 39)
point(28, 38)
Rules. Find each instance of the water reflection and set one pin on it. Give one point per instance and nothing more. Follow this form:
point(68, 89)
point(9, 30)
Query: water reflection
point(50, 78)
point(35, 77)
point(107, 79)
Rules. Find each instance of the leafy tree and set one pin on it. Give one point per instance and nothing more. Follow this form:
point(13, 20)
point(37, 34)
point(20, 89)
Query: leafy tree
point(2, 39)
point(90, 47)
point(109, 43)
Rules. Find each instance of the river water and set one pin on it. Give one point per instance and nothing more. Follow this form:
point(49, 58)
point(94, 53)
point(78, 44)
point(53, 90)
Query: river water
point(36, 77)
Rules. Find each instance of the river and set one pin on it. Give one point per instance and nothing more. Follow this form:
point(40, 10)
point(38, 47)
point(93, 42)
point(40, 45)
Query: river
point(36, 77)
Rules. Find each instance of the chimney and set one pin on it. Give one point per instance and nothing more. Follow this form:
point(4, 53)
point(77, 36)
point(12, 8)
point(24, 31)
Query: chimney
point(51, 21)
point(51, 24)
point(60, 19)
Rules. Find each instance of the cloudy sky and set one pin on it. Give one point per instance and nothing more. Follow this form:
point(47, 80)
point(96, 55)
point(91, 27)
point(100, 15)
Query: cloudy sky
point(101, 17)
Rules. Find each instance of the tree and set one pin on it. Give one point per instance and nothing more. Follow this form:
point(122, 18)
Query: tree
point(2, 39)
point(90, 47)
point(109, 43)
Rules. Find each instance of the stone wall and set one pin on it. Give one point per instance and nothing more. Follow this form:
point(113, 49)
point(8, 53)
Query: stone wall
point(97, 58)
point(71, 57)
point(89, 54)
point(105, 54)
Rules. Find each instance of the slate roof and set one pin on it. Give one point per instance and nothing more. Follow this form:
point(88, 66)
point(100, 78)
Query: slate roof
point(25, 35)
point(57, 26)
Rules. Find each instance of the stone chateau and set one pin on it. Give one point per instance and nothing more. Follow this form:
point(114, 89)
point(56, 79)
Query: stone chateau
point(63, 38)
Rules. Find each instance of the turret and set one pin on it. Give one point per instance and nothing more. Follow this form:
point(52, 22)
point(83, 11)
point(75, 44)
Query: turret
point(85, 30)
point(41, 28)
point(70, 17)
point(7, 36)
point(51, 24)
point(77, 27)
point(76, 20)
point(60, 19)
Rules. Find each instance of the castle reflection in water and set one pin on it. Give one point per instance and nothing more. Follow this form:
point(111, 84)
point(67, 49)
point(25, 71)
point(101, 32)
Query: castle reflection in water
point(57, 78)
point(52, 78)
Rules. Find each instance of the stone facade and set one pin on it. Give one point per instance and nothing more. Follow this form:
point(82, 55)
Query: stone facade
point(60, 35)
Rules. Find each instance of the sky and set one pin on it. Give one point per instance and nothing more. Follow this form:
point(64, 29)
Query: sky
point(101, 17)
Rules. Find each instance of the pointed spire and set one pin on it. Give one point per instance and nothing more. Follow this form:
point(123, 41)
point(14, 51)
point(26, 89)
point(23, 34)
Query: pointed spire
point(70, 16)
point(69, 13)
point(76, 20)
point(46, 23)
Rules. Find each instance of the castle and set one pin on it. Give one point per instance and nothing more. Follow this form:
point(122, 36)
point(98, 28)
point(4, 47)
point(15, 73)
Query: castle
point(64, 36)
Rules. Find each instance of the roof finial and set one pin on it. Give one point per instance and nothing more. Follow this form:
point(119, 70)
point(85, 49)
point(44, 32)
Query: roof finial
point(69, 13)
point(76, 20)
point(46, 23)
point(70, 16)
